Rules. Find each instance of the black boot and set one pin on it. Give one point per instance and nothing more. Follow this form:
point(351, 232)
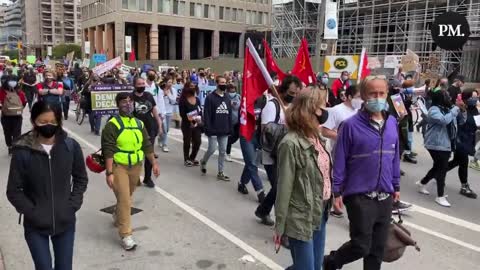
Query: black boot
point(242, 189)
point(409, 158)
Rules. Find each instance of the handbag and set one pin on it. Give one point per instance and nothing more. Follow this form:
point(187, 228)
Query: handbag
point(398, 239)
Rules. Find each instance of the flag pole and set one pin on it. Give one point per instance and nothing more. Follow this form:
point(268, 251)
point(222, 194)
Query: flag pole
point(265, 73)
point(360, 67)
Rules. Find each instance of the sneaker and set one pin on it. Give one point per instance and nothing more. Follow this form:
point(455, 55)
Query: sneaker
point(328, 263)
point(443, 201)
point(203, 167)
point(128, 243)
point(413, 154)
point(400, 207)
point(468, 192)
point(228, 158)
point(402, 172)
point(337, 214)
point(188, 163)
point(261, 196)
point(242, 189)
point(422, 188)
point(149, 183)
point(265, 219)
point(474, 165)
point(165, 149)
point(409, 159)
point(196, 163)
point(223, 177)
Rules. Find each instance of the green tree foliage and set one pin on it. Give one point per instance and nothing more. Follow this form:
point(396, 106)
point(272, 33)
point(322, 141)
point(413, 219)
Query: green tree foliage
point(61, 50)
point(13, 54)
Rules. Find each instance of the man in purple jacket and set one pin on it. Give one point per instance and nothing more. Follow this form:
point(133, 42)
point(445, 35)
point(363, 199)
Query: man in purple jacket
point(366, 177)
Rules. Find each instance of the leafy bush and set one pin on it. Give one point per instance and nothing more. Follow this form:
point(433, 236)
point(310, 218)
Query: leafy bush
point(61, 50)
point(13, 54)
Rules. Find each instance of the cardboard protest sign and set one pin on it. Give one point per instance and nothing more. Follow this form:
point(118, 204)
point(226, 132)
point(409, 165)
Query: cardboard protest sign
point(100, 69)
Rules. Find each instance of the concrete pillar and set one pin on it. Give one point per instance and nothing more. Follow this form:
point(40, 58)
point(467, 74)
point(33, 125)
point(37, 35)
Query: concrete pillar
point(215, 44)
point(99, 38)
point(172, 44)
point(241, 46)
point(109, 41)
point(142, 43)
point(201, 45)
point(91, 38)
point(186, 43)
point(120, 39)
point(154, 41)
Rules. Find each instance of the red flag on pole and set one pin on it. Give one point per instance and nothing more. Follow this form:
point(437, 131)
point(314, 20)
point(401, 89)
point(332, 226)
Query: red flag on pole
point(132, 57)
point(364, 71)
point(303, 67)
point(271, 64)
point(256, 81)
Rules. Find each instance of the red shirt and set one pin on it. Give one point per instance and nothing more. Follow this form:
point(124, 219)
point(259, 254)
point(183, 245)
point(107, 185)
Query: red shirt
point(21, 94)
point(55, 85)
point(337, 86)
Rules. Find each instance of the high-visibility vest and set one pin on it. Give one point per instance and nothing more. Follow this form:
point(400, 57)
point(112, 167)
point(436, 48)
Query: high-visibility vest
point(129, 141)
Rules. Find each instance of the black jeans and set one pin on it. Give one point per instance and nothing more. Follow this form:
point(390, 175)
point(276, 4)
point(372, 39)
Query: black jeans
point(233, 138)
point(66, 107)
point(30, 94)
point(12, 128)
point(266, 206)
point(193, 137)
point(439, 170)
point(460, 160)
point(369, 224)
point(148, 166)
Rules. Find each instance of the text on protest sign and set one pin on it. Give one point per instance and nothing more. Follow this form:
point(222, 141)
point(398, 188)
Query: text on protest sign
point(103, 97)
point(107, 66)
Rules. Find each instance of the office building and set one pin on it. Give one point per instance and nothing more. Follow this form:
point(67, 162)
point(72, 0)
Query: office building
point(172, 29)
point(10, 25)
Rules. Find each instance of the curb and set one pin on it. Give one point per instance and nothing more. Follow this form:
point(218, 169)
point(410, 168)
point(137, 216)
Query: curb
point(2, 265)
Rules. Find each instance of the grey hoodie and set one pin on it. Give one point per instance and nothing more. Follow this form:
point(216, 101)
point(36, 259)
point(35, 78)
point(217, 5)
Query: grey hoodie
point(235, 102)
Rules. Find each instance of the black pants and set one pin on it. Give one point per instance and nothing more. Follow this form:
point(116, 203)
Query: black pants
point(148, 166)
point(233, 138)
point(66, 107)
point(439, 170)
point(369, 224)
point(266, 206)
point(30, 95)
point(191, 137)
point(460, 160)
point(12, 128)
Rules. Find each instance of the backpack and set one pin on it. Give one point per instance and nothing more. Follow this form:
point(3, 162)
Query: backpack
point(258, 106)
point(12, 106)
point(272, 133)
point(398, 239)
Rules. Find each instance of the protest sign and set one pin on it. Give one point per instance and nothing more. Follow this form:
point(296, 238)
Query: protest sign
point(99, 58)
point(205, 90)
point(335, 65)
point(103, 97)
point(410, 61)
point(392, 61)
point(86, 63)
point(31, 59)
point(399, 105)
point(98, 70)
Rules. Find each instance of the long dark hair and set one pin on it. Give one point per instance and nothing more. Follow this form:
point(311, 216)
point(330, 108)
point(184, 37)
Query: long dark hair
point(188, 85)
point(41, 107)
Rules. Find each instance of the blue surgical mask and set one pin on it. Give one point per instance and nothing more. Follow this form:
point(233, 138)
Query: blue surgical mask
point(324, 81)
point(232, 95)
point(375, 105)
point(472, 102)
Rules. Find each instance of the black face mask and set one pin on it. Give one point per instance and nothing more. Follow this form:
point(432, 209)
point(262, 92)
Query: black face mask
point(288, 99)
point(47, 131)
point(140, 89)
point(322, 118)
point(222, 88)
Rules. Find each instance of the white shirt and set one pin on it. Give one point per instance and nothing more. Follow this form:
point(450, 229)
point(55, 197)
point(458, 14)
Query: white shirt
point(269, 114)
point(152, 89)
point(47, 148)
point(336, 116)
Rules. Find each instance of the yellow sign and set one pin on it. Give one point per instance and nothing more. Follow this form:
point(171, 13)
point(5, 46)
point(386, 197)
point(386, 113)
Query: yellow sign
point(335, 65)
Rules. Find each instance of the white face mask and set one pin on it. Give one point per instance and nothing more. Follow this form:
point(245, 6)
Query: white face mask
point(12, 84)
point(357, 103)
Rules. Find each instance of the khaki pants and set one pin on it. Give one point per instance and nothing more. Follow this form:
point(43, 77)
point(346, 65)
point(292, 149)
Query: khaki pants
point(124, 185)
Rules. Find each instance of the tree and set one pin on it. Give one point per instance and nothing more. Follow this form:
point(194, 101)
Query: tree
point(13, 54)
point(61, 50)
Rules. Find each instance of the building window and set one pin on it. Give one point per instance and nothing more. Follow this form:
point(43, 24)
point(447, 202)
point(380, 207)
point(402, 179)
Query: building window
point(227, 17)
point(198, 10)
point(132, 4)
point(142, 5)
point(264, 18)
point(163, 6)
point(149, 5)
point(192, 9)
point(206, 10)
point(125, 4)
point(247, 20)
point(234, 14)
point(220, 13)
point(212, 12)
point(175, 7)
point(181, 8)
point(259, 18)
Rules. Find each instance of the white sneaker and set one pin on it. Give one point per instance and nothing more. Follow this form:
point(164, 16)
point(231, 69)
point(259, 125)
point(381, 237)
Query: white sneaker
point(128, 243)
point(422, 188)
point(228, 158)
point(165, 149)
point(443, 201)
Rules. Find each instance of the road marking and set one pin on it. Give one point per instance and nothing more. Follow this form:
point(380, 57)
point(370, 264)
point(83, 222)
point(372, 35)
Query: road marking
point(268, 262)
point(214, 226)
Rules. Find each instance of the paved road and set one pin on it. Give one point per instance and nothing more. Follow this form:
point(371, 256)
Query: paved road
point(192, 221)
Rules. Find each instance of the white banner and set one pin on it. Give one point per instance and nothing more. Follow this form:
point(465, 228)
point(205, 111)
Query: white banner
point(49, 50)
point(392, 61)
point(331, 21)
point(128, 44)
point(87, 47)
point(107, 66)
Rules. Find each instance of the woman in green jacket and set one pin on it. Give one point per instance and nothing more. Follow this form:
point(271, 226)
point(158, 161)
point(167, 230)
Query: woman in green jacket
point(304, 184)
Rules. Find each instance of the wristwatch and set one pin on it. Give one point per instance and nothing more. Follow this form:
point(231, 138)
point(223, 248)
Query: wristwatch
point(108, 173)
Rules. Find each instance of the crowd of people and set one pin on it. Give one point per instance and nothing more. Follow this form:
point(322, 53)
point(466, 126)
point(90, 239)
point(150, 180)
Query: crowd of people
point(324, 149)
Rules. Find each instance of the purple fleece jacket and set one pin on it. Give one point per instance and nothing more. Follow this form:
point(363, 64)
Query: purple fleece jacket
point(366, 159)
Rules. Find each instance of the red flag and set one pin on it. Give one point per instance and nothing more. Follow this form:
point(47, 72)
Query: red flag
point(364, 70)
point(303, 68)
point(254, 85)
point(132, 57)
point(271, 64)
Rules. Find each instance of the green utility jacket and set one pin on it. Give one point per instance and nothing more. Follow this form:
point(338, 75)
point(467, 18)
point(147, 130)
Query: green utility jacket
point(299, 204)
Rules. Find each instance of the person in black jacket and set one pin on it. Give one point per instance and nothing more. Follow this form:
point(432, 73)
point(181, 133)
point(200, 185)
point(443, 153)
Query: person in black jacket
point(191, 113)
point(465, 143)
point(46, 184)
point(218, 126)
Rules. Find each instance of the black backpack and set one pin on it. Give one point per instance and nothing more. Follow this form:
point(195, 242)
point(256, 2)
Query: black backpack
point(258, 106)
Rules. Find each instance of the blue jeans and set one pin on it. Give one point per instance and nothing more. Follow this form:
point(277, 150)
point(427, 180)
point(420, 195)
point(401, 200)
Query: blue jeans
point(309, 255)
point(95, 122)
point(250, 170)
point(166, 127)
point(39, 245)
point(212, 147)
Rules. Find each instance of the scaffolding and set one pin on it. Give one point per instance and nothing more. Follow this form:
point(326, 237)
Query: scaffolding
point(293, 20)
point(383, 27)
